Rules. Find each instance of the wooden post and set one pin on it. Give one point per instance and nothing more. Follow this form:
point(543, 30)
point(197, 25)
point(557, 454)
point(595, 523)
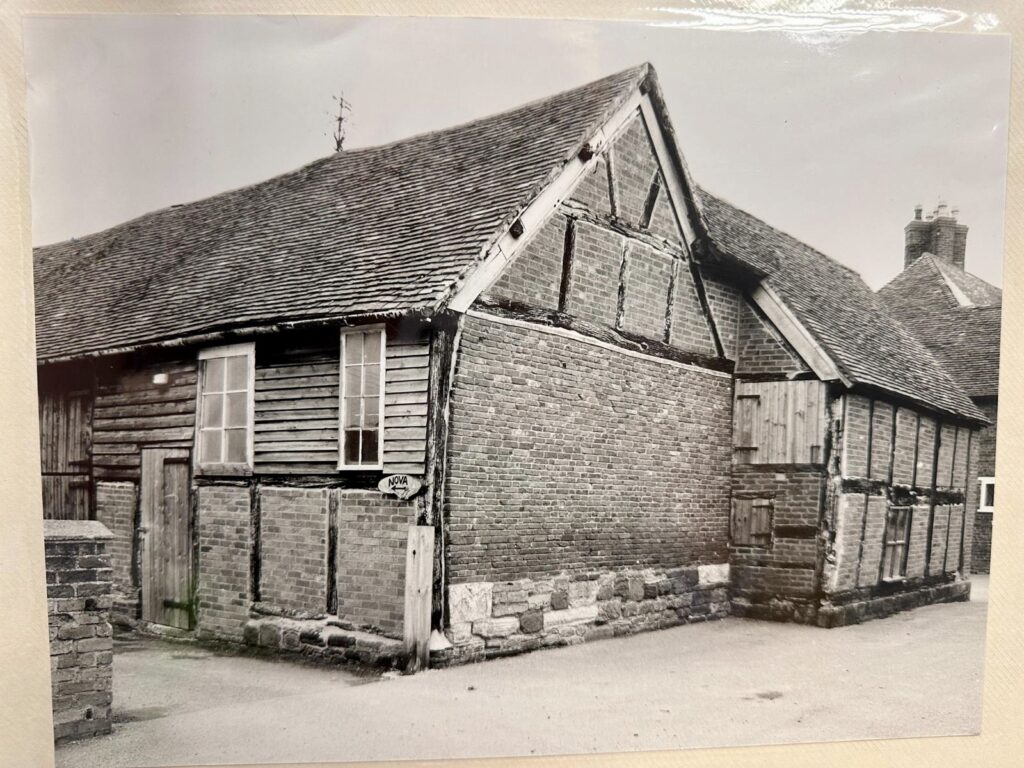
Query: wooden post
point(419, 577)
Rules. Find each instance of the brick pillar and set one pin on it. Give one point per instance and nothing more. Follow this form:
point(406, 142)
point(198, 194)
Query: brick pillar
point(78, 590)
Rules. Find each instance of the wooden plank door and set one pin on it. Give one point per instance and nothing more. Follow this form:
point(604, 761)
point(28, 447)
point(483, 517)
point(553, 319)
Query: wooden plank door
point(166, 537)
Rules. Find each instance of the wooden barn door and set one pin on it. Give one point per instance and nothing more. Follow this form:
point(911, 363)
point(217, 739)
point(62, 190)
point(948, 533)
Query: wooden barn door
point(65, 437)
point(165, 537)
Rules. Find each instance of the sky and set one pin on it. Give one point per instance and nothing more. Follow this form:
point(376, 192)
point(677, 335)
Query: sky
point(832, 139)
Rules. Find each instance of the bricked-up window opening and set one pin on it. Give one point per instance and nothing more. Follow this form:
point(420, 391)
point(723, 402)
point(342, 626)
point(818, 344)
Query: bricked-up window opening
point(226, 404)
point(362, 399)
point(752, 522)
point(988, 494)
point(897, 531)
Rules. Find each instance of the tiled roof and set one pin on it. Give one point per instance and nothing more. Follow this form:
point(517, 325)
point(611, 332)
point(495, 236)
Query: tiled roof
point(836, 306)
point(931, 282)
point(966, 340)
point(964, 337)
point(373, 231)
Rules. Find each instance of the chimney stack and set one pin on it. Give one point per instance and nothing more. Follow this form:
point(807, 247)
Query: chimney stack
point(939, 234)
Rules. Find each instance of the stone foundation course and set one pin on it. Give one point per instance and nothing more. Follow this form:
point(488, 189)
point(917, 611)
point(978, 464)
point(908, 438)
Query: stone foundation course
point(489, 619)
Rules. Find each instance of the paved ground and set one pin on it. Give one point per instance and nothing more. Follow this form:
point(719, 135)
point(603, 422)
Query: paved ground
point(734, 682)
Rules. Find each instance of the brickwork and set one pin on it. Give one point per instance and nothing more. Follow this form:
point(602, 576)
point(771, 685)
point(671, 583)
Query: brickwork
point(293, 548)
point(489, 619)
point(906, 440)
point(856, 420)
point(762, 350)
point(725, 301)
point(944, 469)
point(926, 452)
point(776, 575)
point(633, 167)
point(875, 518)
point(535, 277)
point(881, 440)
point(690, 329)
point(981, 542)
point(647, 279)
point(663, 219)
point(594, 284)
point(372, 534)
point(918, 541)
point(223, 594)
point(115, 508)
point(567, 456)
point(78, 591)
point(592, 190)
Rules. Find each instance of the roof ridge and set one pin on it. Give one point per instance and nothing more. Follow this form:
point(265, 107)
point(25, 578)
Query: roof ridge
point(637, 73)
point(781, 232)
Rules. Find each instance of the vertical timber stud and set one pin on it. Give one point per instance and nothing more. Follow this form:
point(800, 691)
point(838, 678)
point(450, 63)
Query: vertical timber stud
point(963, 513)
point(620, 308)
point(949, 507)
point(419, 572)
point(443, 348)
point(255, 554)
point(332, 551)
point(867, 500)
point(670, 305)
point(567, 254)
point(613, 203)
point(931, 497)
point(892, 446)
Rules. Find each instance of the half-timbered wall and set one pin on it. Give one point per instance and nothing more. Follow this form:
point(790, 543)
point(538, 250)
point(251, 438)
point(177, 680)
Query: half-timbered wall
point(613, 256)
point(897, 462)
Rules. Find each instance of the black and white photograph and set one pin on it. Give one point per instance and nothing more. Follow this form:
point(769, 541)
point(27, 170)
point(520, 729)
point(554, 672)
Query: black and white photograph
point(434, 388)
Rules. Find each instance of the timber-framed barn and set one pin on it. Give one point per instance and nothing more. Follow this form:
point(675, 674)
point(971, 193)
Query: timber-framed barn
point(513, 384)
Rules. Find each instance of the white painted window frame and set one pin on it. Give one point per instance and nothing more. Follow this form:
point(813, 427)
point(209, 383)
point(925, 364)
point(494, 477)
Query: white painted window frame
point(345, 332)
point(247, 350)
point(982, 483)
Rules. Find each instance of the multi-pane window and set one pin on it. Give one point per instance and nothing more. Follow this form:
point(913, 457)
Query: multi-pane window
point(362, 398)
point(987, 502)
point(226, 407)
point(894, 552)
point(752, 522)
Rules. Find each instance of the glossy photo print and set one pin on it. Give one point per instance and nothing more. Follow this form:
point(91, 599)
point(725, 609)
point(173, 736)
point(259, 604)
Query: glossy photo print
point(464, 388)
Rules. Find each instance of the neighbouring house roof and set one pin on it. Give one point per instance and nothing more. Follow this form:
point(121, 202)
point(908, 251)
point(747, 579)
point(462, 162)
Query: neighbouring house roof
point(931, 282)
point(367, 232)
point(956, 315)
point(850, 322)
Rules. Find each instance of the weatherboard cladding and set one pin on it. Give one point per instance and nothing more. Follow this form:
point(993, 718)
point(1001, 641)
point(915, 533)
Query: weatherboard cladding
point(380, 230)
point(835, 305)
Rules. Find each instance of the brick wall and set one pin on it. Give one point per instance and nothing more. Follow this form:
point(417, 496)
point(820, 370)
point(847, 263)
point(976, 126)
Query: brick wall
point(594, 283)
point(567, 456)
point(592, 191)
point(767, 579)
point(690, 328)
point(648, 277)
point(293, 548)
point(761, 349)
point(223, 594)
point(633, 169)
point(981, 542)
point(372, 535)
point(725, 301)
point(115, 508)
point(78, 591)
point(535, 276)
point(663, 219)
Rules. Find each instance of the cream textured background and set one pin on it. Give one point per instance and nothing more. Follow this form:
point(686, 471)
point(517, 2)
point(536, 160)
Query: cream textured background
point(25, 727)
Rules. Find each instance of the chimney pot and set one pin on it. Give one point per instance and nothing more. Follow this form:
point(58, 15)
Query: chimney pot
point(917, 211)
